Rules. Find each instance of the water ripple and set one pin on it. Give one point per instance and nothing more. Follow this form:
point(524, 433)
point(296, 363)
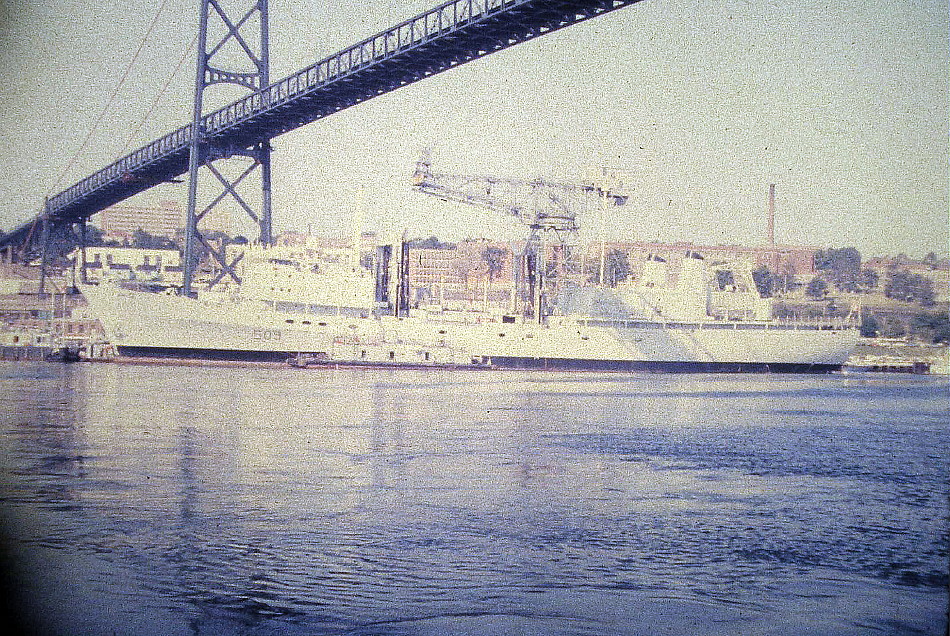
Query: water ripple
point(379, 503)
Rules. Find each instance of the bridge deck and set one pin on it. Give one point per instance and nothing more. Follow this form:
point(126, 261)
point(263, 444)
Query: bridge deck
point(451, 34)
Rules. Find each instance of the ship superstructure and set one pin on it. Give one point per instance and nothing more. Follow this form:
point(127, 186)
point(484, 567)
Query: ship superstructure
point(662, 322)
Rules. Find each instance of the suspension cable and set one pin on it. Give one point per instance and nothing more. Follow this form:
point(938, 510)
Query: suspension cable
point(125, 75)
point(161, 93)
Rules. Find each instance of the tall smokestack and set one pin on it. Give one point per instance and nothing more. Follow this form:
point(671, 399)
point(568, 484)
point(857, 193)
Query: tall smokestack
point(771, 227)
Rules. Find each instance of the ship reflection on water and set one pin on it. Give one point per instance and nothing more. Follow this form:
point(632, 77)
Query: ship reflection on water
point(183, 500)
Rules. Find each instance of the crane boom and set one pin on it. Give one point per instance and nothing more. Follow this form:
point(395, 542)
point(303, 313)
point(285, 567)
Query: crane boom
point(538, 204)
point(543, 206)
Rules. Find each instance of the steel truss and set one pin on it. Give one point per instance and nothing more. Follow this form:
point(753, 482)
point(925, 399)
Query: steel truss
point(48, 239)
point(545, 207)
point(205, 149)
point(453, 33)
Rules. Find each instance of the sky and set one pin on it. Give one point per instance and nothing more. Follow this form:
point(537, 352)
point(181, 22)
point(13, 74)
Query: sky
point(700, 106)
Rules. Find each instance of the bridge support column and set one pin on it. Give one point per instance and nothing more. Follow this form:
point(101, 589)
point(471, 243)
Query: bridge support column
point(83, 274)
point(238, 45)
point(44, 238)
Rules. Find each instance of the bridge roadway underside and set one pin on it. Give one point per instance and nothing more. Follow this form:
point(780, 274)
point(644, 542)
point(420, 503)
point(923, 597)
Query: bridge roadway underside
point(422, 47)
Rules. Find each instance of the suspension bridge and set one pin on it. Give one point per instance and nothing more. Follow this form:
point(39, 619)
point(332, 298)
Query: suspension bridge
point(451, 34)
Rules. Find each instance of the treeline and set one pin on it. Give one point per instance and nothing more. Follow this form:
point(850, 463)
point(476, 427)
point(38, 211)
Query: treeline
point(909, 287)
point(430, 243)
point(841, 269)
point(67, 239)
point(925, 327)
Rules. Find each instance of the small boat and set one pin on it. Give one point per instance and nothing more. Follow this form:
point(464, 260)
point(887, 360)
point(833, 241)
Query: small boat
point(66, 353)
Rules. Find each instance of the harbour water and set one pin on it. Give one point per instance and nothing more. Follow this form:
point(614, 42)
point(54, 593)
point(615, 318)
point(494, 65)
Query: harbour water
point(211, 500)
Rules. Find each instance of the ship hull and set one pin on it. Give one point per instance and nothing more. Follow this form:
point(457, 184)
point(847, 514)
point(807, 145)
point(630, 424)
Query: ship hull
point(154, 325)
point(181, 353)
point(500, 362)
point(657, 366)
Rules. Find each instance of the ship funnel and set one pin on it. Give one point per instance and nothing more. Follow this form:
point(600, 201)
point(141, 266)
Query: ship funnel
point(655, 271)
point(693, 272)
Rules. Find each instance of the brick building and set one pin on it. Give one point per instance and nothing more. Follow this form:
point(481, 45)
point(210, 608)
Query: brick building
point(474, 274)
point(794, 260)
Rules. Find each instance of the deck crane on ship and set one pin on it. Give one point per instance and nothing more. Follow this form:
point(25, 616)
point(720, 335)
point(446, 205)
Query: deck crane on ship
point(544, 207)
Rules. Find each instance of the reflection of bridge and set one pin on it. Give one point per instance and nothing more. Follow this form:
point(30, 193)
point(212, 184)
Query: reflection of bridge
point(451, 34)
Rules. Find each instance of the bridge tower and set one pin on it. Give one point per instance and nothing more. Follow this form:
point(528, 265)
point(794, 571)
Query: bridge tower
point(248, 59)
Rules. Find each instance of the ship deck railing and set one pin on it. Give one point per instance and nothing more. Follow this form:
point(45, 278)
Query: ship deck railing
point(831, 324)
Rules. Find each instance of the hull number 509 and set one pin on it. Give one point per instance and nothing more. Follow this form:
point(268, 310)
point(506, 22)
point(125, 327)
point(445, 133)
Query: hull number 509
point(265, 334)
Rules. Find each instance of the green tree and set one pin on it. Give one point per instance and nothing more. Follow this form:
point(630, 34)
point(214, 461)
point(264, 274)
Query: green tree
point(725, 279)
point(893, 328)
point(494, 258)
point(617, 267)
point(867, 280)
point(942, 331)
point(816, 288)
point(841, 266)
point(64, 239)
point(908, 287)
point(838, 260)
point(765, 281)
point(932, 327)
point(869, 326)
point(432, 243)
point(857, 282)
point(786, 279)
point(143, 240)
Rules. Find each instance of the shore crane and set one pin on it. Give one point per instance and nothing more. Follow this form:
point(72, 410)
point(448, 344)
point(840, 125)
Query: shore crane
point(544, 207)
